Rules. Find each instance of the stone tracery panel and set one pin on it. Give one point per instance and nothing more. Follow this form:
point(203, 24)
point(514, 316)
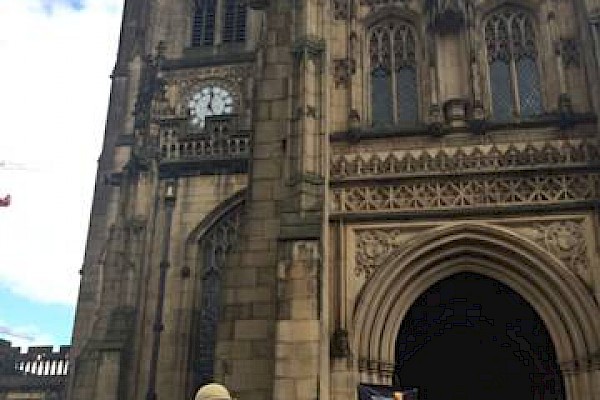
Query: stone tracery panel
point(477, 192)
point(458, 159)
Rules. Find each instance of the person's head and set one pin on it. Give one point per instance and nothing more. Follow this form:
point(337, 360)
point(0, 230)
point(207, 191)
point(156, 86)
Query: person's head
point(213, 391)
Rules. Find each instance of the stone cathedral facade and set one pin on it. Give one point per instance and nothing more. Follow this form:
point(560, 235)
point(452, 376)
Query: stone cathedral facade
point(297, 197)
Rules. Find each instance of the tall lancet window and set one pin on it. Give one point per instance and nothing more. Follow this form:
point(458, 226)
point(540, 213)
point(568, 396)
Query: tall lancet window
point(215, 247)
point(513, 64)
point(234, 21)
point(394, 90)
point(203, 25)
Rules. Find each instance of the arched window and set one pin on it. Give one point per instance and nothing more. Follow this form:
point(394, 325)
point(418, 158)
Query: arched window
point(218, 21)
point(215, 247)
point(513, 64)
point(394, 96)
point(203, 27)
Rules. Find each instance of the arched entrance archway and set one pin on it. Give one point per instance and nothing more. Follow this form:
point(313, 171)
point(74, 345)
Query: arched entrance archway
point(472, 337)
point(557, 295)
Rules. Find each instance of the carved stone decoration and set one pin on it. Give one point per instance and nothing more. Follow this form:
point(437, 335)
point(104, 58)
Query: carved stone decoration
point(373, 247)
point(186, 82)
point(340, 346)
point(342, 9)
point(308, 47)
point(447, 16)
point(565, 239)
point(215, 247)
point(490, 158)
point(570, 52)
point(343, 69)
point(477, 192)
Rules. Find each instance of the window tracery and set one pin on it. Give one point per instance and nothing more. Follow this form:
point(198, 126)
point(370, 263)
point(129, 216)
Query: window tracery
point(512, 64)
point(394, 88)
point(215, 247)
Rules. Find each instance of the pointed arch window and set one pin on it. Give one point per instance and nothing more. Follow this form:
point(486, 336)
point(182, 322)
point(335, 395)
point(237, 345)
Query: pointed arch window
point(218, 21)
point(513, 64)
point(394, 88)
point(215, 247)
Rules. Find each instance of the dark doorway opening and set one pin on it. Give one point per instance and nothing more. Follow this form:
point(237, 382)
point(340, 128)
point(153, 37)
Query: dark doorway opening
point(470, 337)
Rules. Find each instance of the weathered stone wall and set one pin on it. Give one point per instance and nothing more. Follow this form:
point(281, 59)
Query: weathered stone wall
point(325, 198)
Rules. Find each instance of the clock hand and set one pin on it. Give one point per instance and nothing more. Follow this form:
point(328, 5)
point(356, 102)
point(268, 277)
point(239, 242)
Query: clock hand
point(210, 101)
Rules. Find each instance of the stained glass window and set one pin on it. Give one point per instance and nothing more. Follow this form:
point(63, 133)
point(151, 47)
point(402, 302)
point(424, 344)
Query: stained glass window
point(394, 88)
point(513, 70)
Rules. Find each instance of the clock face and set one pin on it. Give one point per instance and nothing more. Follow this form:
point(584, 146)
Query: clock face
point(209, 101)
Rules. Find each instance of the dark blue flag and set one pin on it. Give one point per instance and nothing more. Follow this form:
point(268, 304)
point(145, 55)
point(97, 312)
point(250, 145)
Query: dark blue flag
point(375, 392)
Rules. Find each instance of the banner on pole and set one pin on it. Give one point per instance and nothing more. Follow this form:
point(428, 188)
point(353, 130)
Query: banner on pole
point(375, 392)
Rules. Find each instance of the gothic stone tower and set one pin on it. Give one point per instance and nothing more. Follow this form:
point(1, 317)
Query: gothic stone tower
point(295, 197)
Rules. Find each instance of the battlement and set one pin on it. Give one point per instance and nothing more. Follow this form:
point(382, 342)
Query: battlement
point(36, 360)
point(38, 369)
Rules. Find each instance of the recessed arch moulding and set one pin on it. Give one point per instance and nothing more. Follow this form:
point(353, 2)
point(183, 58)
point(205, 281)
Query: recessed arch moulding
point(384, 295)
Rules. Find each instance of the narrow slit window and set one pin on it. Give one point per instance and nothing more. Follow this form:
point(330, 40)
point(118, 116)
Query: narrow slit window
point(234, 21)
point(203, 26)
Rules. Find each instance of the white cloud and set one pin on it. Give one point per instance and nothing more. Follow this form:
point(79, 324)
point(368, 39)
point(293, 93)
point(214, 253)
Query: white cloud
point(55, 72)
point(26, 336)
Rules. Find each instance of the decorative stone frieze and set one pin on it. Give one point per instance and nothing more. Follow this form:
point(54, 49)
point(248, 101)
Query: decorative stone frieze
point(490, 158)
point(461, 193)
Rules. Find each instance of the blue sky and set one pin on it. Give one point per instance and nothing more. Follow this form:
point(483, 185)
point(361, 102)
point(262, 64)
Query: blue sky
point(57, 56)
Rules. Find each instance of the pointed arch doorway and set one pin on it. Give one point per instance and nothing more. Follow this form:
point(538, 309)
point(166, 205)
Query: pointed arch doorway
point(560, 299)
point(471, 337)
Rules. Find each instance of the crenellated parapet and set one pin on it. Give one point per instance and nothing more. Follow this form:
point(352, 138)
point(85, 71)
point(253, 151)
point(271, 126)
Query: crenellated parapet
point(39, 371)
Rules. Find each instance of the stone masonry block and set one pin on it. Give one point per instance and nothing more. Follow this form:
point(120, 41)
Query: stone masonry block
point(283, 389)
point(269, 169)
point(273, 89)
point(251, 329)
point(304, 330)
point(306, 389)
